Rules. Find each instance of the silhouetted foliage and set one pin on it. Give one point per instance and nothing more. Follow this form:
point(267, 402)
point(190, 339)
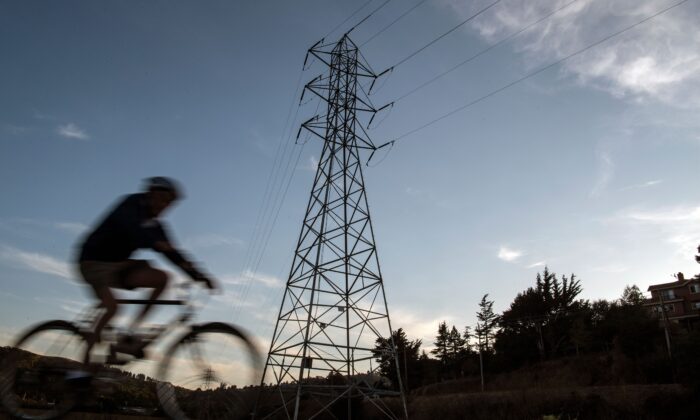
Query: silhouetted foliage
point(539, 321)
point(441, 343)
point(407, 353)
point(632, 296)
point(487, 322)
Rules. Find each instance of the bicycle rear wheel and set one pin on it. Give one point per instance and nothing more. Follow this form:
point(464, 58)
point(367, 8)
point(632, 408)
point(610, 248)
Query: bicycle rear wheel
point(202, 375)
point(41, 375)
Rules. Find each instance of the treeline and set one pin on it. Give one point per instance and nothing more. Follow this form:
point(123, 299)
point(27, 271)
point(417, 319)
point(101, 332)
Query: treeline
point(545, 322)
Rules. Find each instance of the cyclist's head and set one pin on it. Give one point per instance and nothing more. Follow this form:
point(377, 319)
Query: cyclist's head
point(162, 192)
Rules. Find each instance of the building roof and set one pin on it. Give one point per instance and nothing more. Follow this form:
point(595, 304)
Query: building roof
point(681, 282)
point(671, 285)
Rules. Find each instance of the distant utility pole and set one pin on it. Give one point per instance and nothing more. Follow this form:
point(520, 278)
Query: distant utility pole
point(664, 316)
point(334, 307)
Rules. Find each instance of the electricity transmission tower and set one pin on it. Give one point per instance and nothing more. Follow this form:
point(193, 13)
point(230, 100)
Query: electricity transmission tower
point(322, 354)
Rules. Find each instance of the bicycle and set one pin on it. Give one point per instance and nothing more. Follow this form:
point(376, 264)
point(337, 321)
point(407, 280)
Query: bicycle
point(49, 369)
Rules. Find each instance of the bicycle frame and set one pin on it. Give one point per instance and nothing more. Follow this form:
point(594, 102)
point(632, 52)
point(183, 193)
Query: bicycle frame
point(87, 319)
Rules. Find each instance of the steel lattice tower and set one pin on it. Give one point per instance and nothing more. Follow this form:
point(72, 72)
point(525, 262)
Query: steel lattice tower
point(334, 308)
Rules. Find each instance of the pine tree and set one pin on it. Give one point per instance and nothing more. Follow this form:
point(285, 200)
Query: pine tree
point(484, 330)
point(442, 339)
point(456, 344)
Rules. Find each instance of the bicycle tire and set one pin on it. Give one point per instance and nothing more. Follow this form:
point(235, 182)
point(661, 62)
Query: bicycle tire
point(218, 396)
point(34, 381)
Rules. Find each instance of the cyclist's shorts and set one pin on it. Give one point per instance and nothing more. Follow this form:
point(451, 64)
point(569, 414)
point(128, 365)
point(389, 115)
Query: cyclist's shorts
point(101, 274)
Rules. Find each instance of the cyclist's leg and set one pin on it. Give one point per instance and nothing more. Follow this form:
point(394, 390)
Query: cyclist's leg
point(100, 276)
point(145, 277)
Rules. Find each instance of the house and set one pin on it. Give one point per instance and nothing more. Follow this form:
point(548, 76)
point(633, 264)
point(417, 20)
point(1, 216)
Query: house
point(681, 299)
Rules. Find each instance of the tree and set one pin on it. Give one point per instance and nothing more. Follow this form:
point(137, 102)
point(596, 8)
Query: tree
point(456, 344)
point(632, 296)
point(407, 352)
point(487, 323)
point(539, 320)
point(467, 336)
point(442, 339)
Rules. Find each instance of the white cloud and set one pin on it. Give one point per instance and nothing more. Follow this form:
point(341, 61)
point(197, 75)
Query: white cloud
point(678, 226)
point(659, 60)
point(36, 262)
point(417, 326)
point(14, 129)
point(248, 276)
point(642, 185)
point(537, 264)
point(71, 227)
point(72, 131)
point(508, 254)
point(213, 240)
point(312, 165)
point(606, 169)
point(665, 216)
point(413, 191)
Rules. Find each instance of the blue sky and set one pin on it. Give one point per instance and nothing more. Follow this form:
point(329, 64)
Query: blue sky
point(589, 167)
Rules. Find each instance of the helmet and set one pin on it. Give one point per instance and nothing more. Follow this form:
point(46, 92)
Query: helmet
point(161, 183)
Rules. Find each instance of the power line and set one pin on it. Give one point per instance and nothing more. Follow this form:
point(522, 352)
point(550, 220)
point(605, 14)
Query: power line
point(260, 222)
point(446, 33)
point(485, 50)
point(392, 23)
point(348, 18)
point(256, 260)
point(368, 16)
point(536, 72)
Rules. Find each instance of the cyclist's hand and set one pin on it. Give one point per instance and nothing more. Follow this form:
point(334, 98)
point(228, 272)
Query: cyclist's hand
point(209, 283)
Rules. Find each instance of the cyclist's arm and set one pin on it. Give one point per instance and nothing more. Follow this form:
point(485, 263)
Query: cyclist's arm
point(161, 243)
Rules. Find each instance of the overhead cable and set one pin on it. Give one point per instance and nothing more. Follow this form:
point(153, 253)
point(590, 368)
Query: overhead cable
point(392, 23)
point(368, 16)
point(348, 18)
point(467, 20)
point(540, 70)
point(485, 50)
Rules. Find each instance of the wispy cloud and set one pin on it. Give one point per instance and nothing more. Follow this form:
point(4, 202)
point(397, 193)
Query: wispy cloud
point(416, 326)
point(71, 227)
point(413, 191)
point(35, 261)
point(13, 129)
point(537, 264)
point(606, 169)
point(312, 164)
point(509, 254)
point(642, 185)
point(665, 216)
point(659, 61)
point(678, 226)
point(213, 240)
point(24, 225)
point(72, 131)
point(249, 276)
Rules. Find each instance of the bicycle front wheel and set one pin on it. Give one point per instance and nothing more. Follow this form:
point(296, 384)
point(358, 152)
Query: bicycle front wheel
point(41, 374)
point(203, 374)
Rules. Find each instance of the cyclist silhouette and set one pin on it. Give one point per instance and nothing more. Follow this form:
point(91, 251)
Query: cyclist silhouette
point(104, 259)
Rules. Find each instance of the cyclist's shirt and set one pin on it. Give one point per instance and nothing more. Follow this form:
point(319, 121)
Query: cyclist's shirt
point(125, 229)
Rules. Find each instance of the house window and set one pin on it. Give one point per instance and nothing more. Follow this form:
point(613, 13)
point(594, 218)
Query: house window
point(696, 305)
point(668, 307)
point(695, 288)
point(668, 294)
